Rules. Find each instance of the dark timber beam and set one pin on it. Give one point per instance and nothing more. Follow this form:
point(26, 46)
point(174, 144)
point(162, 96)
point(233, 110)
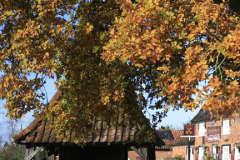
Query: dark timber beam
point(140, 153)
point(31, 152)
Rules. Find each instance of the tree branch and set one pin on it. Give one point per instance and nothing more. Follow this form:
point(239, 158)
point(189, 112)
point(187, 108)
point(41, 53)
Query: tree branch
point(209, 49)
point(214, 35)
point(216, 29)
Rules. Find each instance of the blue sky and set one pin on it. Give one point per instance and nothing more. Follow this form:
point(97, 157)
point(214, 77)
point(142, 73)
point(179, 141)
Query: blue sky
point(26, 120)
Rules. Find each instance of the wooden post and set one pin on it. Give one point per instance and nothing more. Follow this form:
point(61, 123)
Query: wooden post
point(139, 152)
point(19, 148)
point(57, 153)
point(50, 153)
point(124, 153)
point(148, 152)
point(46, 153)
point(151, 152)
point(57, 156)
point(144, 151)
point(37, 157)
point(26, 153)
point(29, 150)
point(32, 149)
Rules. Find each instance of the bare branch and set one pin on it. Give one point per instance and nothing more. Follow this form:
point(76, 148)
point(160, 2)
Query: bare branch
point(216, 29)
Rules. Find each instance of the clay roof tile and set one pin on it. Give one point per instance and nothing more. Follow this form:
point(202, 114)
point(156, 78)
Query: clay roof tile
point(39, 131)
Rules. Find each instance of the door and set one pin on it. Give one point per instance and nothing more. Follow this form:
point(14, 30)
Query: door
point(237, 156)
point(214, 151)
point(226, 153)
point(201, 153)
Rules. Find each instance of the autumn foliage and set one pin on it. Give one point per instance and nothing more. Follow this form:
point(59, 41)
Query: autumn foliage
point(118, 57)
point(194, 42)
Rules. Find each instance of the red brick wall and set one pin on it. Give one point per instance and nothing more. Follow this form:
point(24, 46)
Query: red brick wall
point(132, 155)
point(179, 150)
point(163, 154)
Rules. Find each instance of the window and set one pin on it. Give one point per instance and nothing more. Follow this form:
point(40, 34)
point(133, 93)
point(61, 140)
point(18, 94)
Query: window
point(237, 154)
point(200, 153)
point(226, 152)
point(202, 129)
point(226, 127)
point(214, 151)
point(191, 153)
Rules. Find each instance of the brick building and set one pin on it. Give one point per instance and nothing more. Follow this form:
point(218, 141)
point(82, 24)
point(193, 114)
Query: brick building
point(165, 151)
point(168, 137)
point(179, 147)
point(218, 137)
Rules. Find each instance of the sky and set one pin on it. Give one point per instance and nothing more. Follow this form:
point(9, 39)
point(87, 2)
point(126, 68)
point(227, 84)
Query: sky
point(26, 120)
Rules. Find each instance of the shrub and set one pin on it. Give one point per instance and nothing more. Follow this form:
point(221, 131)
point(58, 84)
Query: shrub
point(178, 157)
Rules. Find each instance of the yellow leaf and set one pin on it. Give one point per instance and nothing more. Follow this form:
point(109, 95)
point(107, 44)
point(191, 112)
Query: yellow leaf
point(54, 84)
point(112, 31)
point(234, 83)
point(166, 108)
point(138, 65)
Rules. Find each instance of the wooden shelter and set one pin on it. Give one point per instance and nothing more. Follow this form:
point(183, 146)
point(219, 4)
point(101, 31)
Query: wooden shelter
point(105, 143)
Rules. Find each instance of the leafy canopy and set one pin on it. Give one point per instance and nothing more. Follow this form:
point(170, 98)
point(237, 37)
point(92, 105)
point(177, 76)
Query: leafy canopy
point(193, 41)
point(118, 57)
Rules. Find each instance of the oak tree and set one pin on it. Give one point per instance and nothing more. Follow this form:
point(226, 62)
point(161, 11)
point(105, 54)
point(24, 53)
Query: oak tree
point(194, 42)
point(116, 57)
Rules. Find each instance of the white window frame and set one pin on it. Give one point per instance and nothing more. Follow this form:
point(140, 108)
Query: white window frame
point(226, 155)
point(214, 151)
point(226, 127)
point(236, 153)
point(191, 153)
point(201, 155)
point(202, 129)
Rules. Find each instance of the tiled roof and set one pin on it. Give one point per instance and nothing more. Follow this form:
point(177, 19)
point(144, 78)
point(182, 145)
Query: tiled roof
point(39, 131)
point(177, 133)
point(182, 141)
point(165, 134)
point(202, 116)
point(168, 136)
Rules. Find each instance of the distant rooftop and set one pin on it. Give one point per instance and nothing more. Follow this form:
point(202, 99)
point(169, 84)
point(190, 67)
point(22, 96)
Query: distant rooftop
point(168, 136)
point(204, 116)
point(182, 141)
